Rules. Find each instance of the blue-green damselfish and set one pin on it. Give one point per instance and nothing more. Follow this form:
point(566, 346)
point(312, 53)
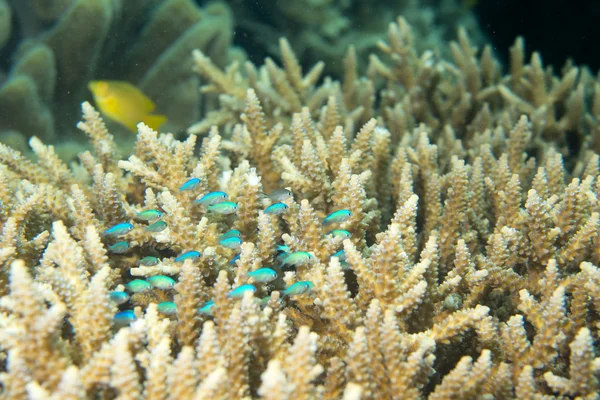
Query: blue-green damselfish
point(192, 255)
point(277, 209)
point(212, 198)
point(263, 275)
point(149, 215)
point(124, 318)
point(161, 282)
point(157, 226)
point(239, 291)
point(337, 217)
point(190, 184)
point(298, 288)
point(119, 229)
point(225, 208)
point(231, 242)
point(167, 308)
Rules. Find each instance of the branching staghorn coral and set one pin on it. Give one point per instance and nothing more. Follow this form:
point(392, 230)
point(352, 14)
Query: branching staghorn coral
point(323, 29)
point(466, 97)
point(465, 264)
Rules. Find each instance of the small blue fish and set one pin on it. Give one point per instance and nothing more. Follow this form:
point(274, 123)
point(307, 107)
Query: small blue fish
point(149, 261)
point(234, 259)
point(340, 233)
point(124, 318)
point(149, 215)
point(231, 233)
point(207, 308)
point(297, 258)
point(265, 301)
point(283, 251)
point(238, 292)
point(118, 297)
point(138, 286)
point(161, 282)
point(298, 288)
point(277, 209)
point(337, 217)
point(119, 229)
point(192, 255)
point(212, 198)
point(167, 308)
point(283, 248)
point(263, 275)
point(231, 242)
point(119, 247)
point(280, 195)
point(226, 207)
point(341, 255)
point(190, 184)
point(157, 226)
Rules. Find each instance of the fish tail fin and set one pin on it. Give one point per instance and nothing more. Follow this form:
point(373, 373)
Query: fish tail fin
point(154, 121)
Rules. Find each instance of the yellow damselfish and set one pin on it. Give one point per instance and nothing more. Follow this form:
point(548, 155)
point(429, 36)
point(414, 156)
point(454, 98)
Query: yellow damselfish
point(124, 103)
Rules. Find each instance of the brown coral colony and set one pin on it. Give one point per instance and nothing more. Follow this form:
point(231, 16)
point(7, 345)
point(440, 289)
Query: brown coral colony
point(465, 265)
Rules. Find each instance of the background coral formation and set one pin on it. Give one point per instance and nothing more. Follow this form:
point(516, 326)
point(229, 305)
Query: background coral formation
point(50, 50)
point(55, 48)
point(322, 30)
point(470, 254)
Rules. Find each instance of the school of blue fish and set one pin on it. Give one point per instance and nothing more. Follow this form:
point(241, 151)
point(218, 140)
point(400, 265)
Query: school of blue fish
point(215, 203)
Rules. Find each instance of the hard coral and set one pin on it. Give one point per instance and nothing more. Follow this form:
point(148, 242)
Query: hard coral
point(469, 266)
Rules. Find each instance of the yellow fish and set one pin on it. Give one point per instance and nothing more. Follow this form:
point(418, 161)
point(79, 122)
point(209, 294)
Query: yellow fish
point(124, 103)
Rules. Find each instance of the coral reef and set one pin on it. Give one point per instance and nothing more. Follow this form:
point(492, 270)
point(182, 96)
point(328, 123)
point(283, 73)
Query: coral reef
point(50, 50)
point(56, 47)
point(469, 228)
point(404, 87)
point(322, 30)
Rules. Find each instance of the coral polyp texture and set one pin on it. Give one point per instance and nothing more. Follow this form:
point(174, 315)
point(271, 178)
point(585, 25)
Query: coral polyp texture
point(437, 238)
